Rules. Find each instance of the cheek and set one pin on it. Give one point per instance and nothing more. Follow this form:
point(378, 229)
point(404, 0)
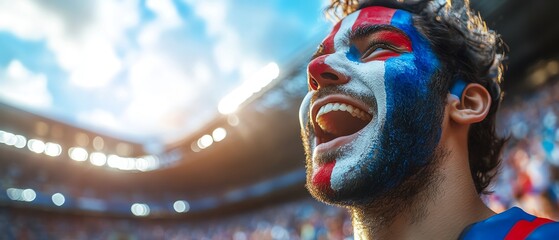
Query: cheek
point(409, 78)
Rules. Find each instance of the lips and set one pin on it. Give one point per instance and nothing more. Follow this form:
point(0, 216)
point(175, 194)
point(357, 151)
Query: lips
point(337, 117)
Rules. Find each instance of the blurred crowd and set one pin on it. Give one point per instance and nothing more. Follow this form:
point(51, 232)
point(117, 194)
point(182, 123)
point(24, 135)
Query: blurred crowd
point(303, 219)
point(529, 173)
point(529, 178)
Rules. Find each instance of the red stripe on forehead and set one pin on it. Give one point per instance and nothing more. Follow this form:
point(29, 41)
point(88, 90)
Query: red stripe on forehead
point(374, 16)
point(328, 43)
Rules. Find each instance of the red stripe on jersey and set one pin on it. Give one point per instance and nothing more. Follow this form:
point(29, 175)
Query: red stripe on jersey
point(523, 228)
point(374, 16)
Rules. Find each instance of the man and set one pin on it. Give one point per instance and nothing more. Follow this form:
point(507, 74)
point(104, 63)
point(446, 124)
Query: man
point(399, 122)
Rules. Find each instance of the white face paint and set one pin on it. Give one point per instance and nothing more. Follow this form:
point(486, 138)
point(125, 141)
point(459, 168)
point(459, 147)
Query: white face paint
point(347, 167)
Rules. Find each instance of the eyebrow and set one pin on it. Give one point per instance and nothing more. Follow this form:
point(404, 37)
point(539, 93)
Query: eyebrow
point(360, 33)
point(366, 30)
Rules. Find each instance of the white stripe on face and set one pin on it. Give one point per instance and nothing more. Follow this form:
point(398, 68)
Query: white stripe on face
point(369, 77)
point(367, 80)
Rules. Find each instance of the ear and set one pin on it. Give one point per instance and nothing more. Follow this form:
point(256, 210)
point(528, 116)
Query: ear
point(473, 107)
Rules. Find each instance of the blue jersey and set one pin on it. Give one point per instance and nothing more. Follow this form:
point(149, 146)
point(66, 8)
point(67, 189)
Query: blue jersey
point(512, 224)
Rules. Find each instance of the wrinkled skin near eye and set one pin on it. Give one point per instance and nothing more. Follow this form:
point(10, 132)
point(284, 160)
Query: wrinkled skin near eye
point(370, 119)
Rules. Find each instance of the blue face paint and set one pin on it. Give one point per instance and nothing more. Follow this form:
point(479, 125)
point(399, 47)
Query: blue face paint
point(457, 88)
point(353, 54)
point(413, 121)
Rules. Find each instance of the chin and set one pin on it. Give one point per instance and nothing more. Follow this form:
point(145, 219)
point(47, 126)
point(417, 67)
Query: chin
point(385, 159)
point(378, 184)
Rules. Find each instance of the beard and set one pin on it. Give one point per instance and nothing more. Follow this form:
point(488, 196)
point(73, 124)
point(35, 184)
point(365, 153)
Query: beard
point(401, 162)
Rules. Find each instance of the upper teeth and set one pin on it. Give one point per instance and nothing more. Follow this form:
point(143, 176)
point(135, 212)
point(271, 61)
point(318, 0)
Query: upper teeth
point(354, 111)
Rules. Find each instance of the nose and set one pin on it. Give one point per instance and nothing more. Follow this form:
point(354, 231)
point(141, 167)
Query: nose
point(322, 75)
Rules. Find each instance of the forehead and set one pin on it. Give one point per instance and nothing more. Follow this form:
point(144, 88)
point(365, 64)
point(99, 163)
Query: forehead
point(366, 17)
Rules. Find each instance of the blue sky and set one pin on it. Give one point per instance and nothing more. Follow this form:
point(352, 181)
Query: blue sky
point(143, 70)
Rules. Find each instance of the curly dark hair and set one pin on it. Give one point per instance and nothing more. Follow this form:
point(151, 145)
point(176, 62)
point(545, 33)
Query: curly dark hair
point(468, 51)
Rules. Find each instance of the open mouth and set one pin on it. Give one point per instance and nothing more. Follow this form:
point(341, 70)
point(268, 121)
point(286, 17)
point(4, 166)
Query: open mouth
point(338, 117)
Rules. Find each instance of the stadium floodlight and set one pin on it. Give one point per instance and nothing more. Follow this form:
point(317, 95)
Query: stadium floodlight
point(15, 194)
point(3, 137)
point(113, 161)
point(142, 164)
point(152, 161)
point(36, 146)
point(10, 138)
point(28, 195)
point(194, 147)
point(58, 199)
point(53, 149)
point(98, 158)
point(205, 141)
point(21, 141)
point(254, 84)
point(219, 134)
point(121, 163)
point(128, 164)
point(140, 209)
point(78, 154)
point(181, 206)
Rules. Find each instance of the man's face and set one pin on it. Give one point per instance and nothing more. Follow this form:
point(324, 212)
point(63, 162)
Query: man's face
point(371, 119)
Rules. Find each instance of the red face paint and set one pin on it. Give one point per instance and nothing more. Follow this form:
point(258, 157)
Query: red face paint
point(328, 43)
point(321, 178)
point(374, 16)
point(398, 42)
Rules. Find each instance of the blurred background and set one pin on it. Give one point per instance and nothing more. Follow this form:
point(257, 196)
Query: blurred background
point(178, 119)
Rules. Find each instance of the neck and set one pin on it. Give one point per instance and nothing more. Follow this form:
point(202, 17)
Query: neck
point(441, 210)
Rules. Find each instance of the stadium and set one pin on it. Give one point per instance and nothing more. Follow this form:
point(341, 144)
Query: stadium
point(187, 125)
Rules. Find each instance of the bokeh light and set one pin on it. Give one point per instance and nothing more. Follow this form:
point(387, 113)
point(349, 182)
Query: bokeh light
point(181, 206)
point(98, 158)
point(53, 149)
point(140, 209)
point(219, 134)
point(205, 141)
point(36, 146)
point(78, 154)
point(58, 199)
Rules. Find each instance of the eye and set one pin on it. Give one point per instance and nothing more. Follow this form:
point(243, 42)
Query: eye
point(380, 52)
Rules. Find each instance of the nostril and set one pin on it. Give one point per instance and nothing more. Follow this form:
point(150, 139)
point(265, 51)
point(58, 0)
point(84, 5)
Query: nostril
point(314, 82)
point(329, 76)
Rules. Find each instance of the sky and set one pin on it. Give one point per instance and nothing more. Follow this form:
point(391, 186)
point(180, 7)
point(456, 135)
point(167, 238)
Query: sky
point(144, 70)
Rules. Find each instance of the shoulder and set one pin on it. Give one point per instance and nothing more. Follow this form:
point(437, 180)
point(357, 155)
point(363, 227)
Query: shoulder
point(512, 224)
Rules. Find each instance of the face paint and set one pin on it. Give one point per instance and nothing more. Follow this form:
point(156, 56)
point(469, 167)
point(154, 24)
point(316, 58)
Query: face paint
point(370, 119)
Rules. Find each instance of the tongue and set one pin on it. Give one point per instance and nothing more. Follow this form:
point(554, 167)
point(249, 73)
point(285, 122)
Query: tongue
point(340, 123)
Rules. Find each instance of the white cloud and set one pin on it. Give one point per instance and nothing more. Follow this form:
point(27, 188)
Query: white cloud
point(158, 86)
point(202, 72)
point(165, 10)
point(100, 118)
point(228, 50)
point(20, 86)
point(87, 51)
point(15, 17)
point(167, 18)
point(159, 89)
point(213, 12)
